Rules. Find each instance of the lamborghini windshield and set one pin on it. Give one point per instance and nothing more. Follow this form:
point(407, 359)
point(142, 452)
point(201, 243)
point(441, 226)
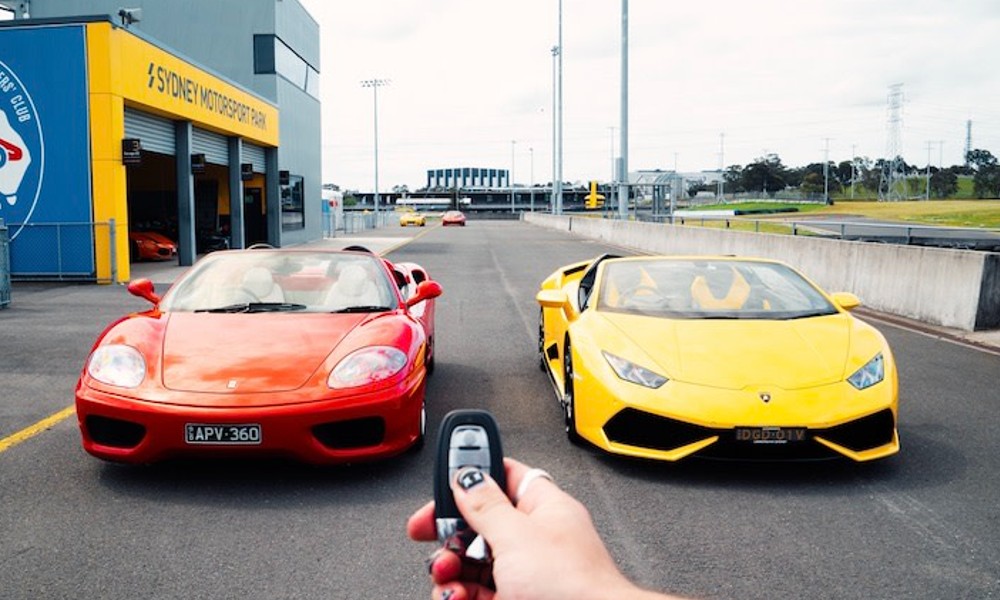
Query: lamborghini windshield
point(253, 281)
point(708, 289)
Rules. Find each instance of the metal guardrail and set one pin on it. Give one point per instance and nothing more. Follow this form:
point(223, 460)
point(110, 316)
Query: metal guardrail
point(4, 266)
point(965, 238)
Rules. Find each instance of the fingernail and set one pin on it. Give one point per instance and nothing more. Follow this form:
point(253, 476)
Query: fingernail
point(447, 594)
point(470, 478)
point(432, 559)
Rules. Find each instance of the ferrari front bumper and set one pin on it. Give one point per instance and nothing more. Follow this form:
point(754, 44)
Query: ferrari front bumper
point(327, 431)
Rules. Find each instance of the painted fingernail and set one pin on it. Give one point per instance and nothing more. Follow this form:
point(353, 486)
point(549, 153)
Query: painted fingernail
point(470, 478)
point(432, 559)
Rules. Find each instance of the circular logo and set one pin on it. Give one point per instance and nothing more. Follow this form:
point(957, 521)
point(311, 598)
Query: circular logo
point(22, 152)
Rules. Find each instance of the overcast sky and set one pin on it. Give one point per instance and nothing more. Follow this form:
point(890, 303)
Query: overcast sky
point(792, 77)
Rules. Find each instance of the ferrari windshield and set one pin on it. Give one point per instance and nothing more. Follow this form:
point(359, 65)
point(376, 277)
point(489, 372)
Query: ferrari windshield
point(708, 289)
point(271, 281)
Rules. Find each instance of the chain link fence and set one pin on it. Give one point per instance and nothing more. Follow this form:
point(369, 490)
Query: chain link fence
point(4, 266)
point(61, 251)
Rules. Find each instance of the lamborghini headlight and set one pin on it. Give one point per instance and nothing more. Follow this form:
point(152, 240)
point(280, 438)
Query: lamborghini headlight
point(870, 374)
point(368, 365)
point(117, 364)
point(631, 372)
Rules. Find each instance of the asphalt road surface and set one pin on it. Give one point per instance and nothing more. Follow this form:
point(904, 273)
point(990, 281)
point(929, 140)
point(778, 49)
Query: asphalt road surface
point(923, 524)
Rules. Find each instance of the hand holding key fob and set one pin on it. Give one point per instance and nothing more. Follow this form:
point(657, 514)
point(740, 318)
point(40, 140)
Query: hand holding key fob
point(468, 438)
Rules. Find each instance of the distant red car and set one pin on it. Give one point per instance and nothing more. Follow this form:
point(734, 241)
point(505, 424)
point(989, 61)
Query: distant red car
point(453, 217)
point(149, 245)
point(314, 355)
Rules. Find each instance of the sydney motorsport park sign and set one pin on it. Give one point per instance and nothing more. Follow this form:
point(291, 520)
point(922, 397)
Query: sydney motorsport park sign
point(45, 150)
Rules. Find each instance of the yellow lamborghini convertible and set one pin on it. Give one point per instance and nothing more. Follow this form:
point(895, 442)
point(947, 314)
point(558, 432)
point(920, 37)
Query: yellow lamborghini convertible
point(666, 357)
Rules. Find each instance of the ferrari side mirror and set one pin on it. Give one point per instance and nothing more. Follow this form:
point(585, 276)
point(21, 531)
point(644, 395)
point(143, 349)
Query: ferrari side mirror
point(143, 288)
point(426, 290)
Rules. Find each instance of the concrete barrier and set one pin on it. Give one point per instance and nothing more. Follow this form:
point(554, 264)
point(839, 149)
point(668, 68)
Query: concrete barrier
point(951, 288)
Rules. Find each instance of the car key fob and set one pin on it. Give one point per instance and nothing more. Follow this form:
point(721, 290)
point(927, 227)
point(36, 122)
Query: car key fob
point(468, 438)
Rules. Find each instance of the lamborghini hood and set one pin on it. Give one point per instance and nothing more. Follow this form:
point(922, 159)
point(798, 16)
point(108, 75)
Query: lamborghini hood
point(248, 353)
point(734, 354)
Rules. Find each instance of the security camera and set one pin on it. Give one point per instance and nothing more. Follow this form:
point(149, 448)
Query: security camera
point(130, 15)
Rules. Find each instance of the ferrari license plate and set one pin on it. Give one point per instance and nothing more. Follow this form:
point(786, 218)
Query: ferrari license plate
point(770, 435)
point(200, 433)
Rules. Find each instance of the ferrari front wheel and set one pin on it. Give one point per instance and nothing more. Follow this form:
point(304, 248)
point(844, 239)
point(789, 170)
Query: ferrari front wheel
point(569, 397)
point(429, 362)
point(418, 444)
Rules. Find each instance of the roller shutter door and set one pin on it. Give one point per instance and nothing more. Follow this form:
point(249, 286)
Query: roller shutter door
point(156, 133)
point(255, 156)
point(215, 147)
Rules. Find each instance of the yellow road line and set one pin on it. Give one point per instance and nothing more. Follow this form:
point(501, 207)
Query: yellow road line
point(29, 432)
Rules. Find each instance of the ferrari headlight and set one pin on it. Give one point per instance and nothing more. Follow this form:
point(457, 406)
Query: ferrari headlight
point(870, 374)
point(368, 365)
point(118, 365)
point(633, 373)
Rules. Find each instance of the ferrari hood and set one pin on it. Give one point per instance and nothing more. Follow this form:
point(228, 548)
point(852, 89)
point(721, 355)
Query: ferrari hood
point(735, 354)
point(248, 353)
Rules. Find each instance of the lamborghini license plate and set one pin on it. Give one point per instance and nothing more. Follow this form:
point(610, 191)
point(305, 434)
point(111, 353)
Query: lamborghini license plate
point(770, 435)
point(200, 433)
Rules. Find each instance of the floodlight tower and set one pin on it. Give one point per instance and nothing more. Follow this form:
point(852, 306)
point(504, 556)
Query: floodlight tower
point(893, 168)
point(375, 84)
point(968, 141)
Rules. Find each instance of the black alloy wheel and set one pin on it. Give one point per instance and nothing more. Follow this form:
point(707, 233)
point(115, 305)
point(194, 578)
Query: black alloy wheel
point(569, 398)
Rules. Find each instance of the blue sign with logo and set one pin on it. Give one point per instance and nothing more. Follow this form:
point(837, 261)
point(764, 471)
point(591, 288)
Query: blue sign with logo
point(45, 150)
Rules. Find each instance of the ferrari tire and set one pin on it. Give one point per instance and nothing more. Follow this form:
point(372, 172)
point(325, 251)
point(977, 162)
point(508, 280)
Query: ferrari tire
point(418, 444)
point(431, 359)
point(569, 397)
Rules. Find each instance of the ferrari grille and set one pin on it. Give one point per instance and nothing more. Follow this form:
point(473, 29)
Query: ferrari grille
point(353, 433)
point(114, 432)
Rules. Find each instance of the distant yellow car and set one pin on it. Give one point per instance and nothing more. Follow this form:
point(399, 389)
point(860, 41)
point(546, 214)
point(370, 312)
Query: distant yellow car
point(412, 218)
point(669, 357)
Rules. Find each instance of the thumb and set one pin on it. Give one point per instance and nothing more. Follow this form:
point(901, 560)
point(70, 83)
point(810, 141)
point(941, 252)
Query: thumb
point(485, 507)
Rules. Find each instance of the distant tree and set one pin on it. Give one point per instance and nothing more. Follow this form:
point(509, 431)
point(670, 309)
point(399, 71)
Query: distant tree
point(986, 183)
point(980, 159)
point(733, 179)
point(843, 172)
point(944, 183)
point(812, 183)
point(766, 174)
point(400, 189)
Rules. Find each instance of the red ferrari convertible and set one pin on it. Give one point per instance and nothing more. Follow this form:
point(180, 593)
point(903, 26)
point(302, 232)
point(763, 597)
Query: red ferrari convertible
point(320, 356)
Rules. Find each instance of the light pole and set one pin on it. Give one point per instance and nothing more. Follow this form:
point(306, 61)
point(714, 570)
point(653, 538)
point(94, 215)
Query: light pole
point(531, 194)
point(557, 54)
point(826, 172)
point(556, 184)
point(623, 146)
point(510, 179)
point(375, 84)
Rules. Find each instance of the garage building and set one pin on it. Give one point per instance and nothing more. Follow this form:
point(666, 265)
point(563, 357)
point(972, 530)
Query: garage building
point(107, 132)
